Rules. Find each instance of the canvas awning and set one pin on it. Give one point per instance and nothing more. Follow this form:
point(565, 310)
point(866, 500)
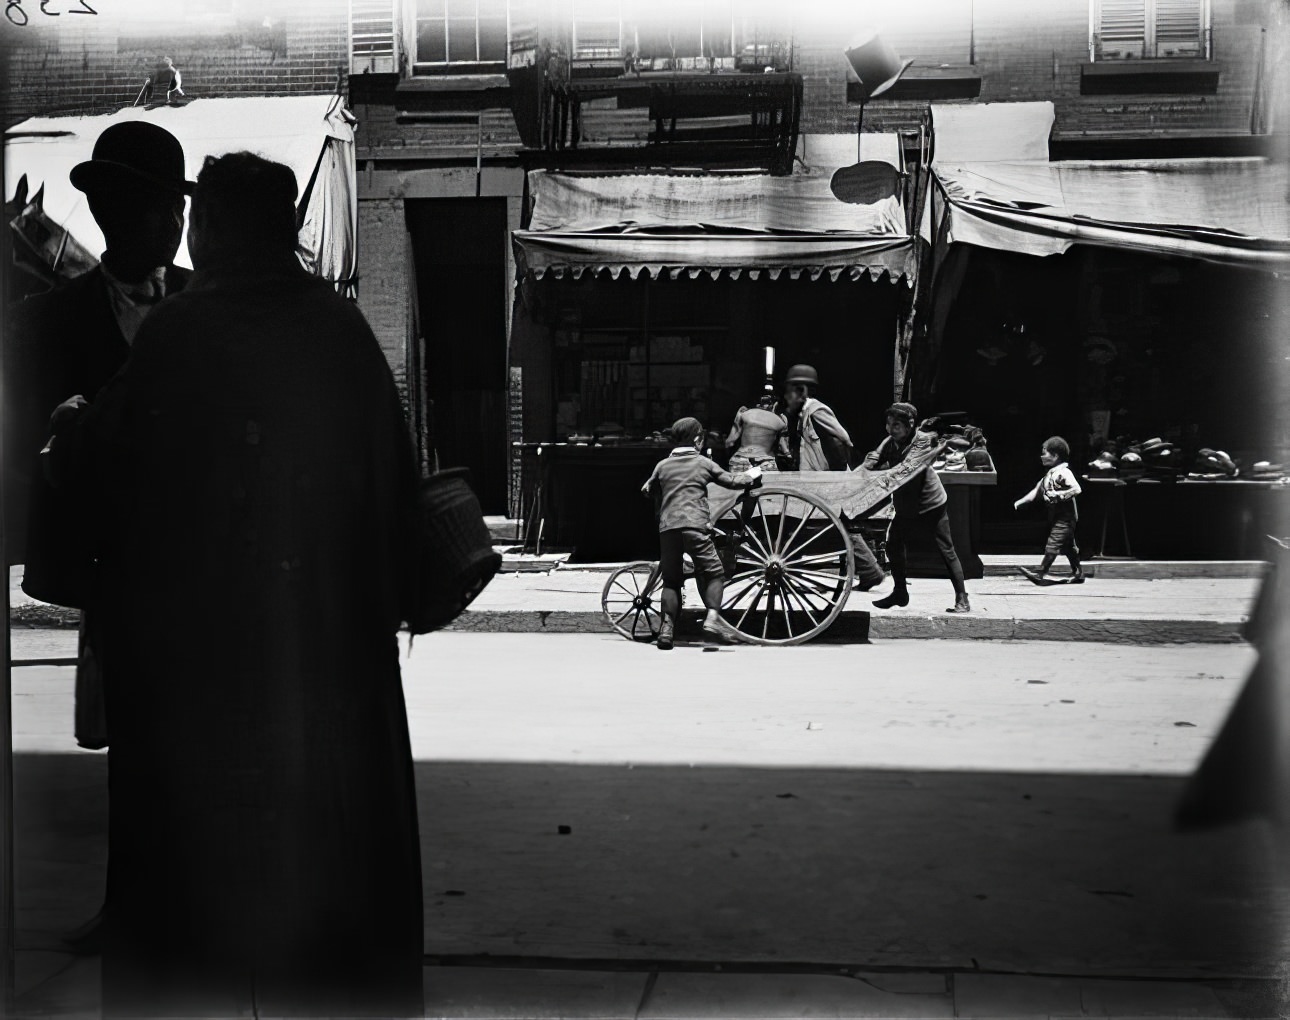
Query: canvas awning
point(313, 135)
point(1232, 210)
point(692, 224)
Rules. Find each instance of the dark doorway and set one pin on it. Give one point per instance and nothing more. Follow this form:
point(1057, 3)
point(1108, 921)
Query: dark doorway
point(459, 250)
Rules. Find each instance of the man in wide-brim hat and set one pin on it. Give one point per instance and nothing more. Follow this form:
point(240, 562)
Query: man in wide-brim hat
point(64, 346)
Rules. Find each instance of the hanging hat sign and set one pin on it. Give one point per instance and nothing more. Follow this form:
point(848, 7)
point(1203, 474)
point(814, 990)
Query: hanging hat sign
point(874, 63)
point(877, 67)
point(865, 183)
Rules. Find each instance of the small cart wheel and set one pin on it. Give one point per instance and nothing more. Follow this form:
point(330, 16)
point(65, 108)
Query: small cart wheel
point(789, 565)
point(630, 600)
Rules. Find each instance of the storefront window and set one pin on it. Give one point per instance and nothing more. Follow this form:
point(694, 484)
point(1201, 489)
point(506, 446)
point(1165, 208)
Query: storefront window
point(631, 382)
point(1138, 29)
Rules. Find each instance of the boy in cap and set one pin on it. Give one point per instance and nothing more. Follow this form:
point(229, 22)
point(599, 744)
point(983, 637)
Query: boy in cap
point(920, 507)
point(1057, 489)
point(680, 485)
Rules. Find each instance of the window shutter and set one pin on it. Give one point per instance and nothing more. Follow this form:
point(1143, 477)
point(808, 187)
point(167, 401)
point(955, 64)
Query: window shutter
point(1122, 29)
point(597, 27)
point(372, 36)
point(1179, 28)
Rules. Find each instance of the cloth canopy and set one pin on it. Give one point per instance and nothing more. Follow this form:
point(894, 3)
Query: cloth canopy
point(1232, 210)
point(313, 135)
point(713, 223)
point(988, 132)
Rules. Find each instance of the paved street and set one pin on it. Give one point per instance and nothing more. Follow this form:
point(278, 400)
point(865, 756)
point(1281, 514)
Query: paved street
point(965, 805)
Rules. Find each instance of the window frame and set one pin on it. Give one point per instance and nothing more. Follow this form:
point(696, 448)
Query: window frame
point(1150, 42)
point(421, 66)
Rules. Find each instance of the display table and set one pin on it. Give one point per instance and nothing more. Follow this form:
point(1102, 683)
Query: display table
point(1189, 519)
point(964, 491)
point(587, 499)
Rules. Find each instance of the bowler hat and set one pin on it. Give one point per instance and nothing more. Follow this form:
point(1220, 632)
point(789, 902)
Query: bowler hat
point(132, 154)
point(803, 374)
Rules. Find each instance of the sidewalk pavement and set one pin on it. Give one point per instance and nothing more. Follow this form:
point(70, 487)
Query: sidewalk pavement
point(1121, 602)
point(69, 988)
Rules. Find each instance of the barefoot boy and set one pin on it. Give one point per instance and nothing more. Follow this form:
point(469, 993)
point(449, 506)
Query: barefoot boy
point(1057, 489)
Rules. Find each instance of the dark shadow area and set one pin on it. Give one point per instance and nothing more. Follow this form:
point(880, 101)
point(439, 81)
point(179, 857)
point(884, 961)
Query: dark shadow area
point(1005, 872)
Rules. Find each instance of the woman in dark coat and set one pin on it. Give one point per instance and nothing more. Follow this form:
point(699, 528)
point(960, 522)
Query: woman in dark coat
point(248, 472)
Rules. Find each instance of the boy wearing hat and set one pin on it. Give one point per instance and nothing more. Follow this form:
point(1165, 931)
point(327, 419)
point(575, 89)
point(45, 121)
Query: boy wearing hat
point(920, 507)
point(679, 485)
point(817, 440)
point(1057, 490)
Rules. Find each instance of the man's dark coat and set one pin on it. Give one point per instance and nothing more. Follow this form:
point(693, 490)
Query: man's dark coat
point(58, 344)
point(249, 471)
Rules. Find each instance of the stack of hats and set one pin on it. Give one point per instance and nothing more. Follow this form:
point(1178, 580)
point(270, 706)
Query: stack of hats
point(1104, 465)
point(1130, 464)
point(1213, 465)
point(1161, 459)
point(965, 447)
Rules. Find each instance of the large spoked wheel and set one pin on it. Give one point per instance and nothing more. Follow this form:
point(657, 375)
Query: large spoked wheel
point(630, 600)
point(788, 565)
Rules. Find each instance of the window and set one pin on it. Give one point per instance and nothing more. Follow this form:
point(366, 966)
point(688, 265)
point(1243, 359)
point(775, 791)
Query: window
point(1149, 29)
point(461, 32)
point(677, 35)
point(371, 36)
point(686, 34)
point(597, 30)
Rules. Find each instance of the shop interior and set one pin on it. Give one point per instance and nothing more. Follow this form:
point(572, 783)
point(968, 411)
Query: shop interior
point(1099, 344)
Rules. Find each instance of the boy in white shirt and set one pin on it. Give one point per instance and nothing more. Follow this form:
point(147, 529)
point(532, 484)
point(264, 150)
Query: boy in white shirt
point(1057, 489)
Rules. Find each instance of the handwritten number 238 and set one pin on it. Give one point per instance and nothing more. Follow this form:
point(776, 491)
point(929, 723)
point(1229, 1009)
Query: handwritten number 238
point(17, 15)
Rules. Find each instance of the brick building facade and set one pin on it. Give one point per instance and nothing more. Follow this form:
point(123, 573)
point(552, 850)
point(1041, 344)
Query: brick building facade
point(97, 64)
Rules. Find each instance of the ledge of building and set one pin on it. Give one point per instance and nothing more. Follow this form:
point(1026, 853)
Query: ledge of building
point(945, 81)
point(1186, 76)
point(1173, 145)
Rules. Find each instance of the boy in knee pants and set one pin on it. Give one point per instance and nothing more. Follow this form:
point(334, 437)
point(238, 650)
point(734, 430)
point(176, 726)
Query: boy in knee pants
point(680, 483)
point(1057, 490)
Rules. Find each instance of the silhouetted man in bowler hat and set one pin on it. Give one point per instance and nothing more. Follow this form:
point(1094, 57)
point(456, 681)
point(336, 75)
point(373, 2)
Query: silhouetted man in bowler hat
point(66, 344)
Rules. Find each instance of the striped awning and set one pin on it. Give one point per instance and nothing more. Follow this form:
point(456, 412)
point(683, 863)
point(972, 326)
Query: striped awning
point(671, 226)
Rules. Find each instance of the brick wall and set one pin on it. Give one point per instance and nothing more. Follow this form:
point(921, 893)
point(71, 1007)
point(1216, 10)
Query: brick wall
point(96, 65)
point(384, 285)
point(1032, 53)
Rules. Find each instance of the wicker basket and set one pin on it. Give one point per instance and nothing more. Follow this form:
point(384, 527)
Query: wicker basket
point(455, 555)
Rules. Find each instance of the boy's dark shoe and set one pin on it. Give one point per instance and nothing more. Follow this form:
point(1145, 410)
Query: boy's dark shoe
point(1077, 577)
point(665, 635)
point(899, 597)
point(961, 604)
point(1035, 577)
